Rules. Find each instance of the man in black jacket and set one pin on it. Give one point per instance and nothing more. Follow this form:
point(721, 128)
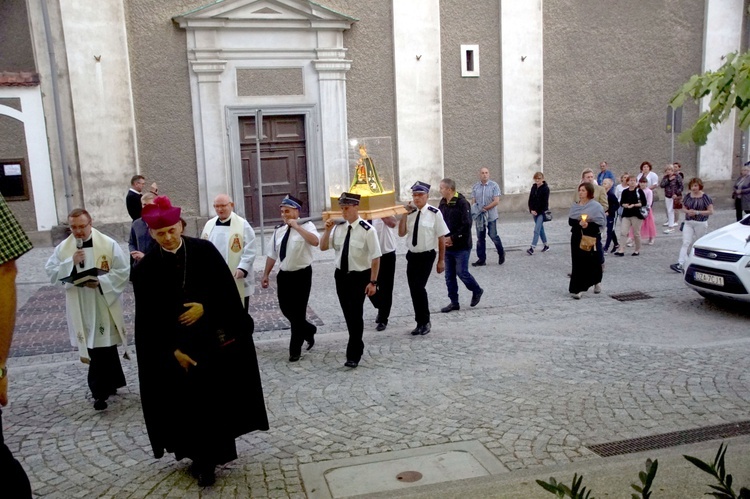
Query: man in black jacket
point(456, 211)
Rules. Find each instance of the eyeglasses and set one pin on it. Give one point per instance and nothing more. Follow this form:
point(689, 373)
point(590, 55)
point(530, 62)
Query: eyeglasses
point(79, 227)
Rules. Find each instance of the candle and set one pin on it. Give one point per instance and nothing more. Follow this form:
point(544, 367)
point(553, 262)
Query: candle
point(584, 217)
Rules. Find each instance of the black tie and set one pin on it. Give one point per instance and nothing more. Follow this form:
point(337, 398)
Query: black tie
point(282, 249)
point(416, 229)
point(345, 252)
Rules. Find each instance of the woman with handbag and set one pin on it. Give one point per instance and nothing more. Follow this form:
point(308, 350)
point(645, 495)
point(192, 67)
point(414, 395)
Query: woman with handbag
point(587, 220)
point(672, 185)
point(538, 205)
point(697, 207)
point(631, 201)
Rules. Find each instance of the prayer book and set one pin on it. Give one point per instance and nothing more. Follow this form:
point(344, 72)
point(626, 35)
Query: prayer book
point(81, 278)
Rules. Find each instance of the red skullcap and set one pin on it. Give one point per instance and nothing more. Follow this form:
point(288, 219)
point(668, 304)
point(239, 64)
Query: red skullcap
point(161, 214)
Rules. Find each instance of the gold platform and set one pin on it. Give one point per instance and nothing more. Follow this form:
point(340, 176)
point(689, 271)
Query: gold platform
point(370, 202)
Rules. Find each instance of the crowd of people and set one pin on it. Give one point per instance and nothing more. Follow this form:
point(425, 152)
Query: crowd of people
point(600, 205)
point(193, 333)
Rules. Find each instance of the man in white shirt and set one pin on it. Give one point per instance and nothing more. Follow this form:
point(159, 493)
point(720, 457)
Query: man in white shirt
point(94, 308)
point(357, 264)
point(292, 245)
point(235, 240)
point(425, 230)
point(383, 299)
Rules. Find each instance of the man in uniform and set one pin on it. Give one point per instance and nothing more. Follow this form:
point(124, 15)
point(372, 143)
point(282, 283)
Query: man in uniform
point(235, 240)
point(456, 212)
point(357, 264)
point(485, 198)
point(13, 244)
point(383, 299)
point(425, 230)
point(292, 246)
point(94, 309)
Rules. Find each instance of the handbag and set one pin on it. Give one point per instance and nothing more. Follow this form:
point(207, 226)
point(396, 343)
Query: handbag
point(677, 201)
point(587, 242)
point(547, 216)
point(644, 212)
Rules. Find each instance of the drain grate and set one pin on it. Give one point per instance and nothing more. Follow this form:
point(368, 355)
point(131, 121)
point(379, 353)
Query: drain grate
point(671, 439)
point(635, 295)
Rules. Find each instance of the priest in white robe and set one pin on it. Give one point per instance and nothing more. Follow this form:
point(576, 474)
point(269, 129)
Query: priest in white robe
point(235, 239)
point(94, 309)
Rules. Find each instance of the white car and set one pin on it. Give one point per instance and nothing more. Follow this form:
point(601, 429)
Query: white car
point(719, 263)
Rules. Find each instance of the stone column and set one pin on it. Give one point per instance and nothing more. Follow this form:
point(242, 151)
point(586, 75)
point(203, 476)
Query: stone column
point(332, 69)
point(522, 81)
point(419, 102)
point(209, 134)
point(722, 34)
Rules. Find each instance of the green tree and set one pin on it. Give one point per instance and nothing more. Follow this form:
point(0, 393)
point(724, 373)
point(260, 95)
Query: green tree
point(728, 88)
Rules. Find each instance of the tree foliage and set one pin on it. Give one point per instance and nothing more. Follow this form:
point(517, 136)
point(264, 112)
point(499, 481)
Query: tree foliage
point(727, 88)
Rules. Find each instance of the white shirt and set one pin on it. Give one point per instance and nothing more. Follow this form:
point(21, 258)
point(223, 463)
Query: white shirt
point(299, 253)
point(386, 236)
point(363, 244)
point(431, 226)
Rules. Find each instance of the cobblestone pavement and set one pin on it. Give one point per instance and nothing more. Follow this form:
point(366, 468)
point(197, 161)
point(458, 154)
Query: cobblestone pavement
point(530, 373)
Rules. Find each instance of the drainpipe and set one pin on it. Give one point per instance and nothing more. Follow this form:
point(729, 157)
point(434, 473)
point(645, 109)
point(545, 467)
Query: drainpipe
point(58, 106)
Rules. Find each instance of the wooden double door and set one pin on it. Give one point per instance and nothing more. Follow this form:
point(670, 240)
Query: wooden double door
point(283, 163)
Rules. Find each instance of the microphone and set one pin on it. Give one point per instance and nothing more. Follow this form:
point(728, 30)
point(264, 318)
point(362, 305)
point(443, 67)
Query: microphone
point(79, 245)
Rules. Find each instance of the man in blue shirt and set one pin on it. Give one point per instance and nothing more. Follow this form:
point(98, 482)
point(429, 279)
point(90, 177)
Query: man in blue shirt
point(605, 173)
point(485, 197)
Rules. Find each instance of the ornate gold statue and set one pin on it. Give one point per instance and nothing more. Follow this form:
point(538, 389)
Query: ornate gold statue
point(366, 180)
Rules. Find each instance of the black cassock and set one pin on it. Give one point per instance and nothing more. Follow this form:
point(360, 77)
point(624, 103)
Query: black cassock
point(198, 413)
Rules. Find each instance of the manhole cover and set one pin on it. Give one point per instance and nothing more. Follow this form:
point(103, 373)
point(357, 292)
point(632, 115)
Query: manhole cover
point(635, 295)
point(409, 476)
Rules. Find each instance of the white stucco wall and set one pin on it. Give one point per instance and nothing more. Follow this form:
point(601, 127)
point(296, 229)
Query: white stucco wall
point(97, 54)
point(416, 47)
point(35, 132)
point(722, 35)
point(522, 69)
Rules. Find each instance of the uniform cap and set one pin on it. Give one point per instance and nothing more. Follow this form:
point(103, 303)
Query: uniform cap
point(349, 199)
point(420, 187)
point(292, 202)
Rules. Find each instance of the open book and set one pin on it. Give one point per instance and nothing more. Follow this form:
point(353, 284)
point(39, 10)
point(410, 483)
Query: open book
point(80, 278)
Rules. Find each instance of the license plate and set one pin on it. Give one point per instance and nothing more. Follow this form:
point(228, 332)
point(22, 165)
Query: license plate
point(716, 280)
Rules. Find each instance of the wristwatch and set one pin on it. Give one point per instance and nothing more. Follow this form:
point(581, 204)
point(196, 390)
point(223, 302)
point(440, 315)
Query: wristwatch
point(3, 372)
point(374, 283)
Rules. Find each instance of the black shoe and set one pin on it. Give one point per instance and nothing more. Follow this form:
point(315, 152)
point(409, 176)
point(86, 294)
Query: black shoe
point(415, 331)
point(545, 249)
point(476, 297)
point(501, 259)
point(100, 404)
point(194, 470)
point(676, 267)
point(530, 251)
point(423, 330)
point(310, 342)
point(450, 308)
point(351, 363)
point(206, 477)
point(479, 263)
point(294, 358)
point(381, 326)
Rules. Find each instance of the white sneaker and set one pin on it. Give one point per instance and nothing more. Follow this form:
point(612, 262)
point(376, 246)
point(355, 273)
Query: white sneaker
point(630, 244)
point(665, 224)
point(576, 296)
point(650, 242)
point(669, 230)
point(597, 288)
